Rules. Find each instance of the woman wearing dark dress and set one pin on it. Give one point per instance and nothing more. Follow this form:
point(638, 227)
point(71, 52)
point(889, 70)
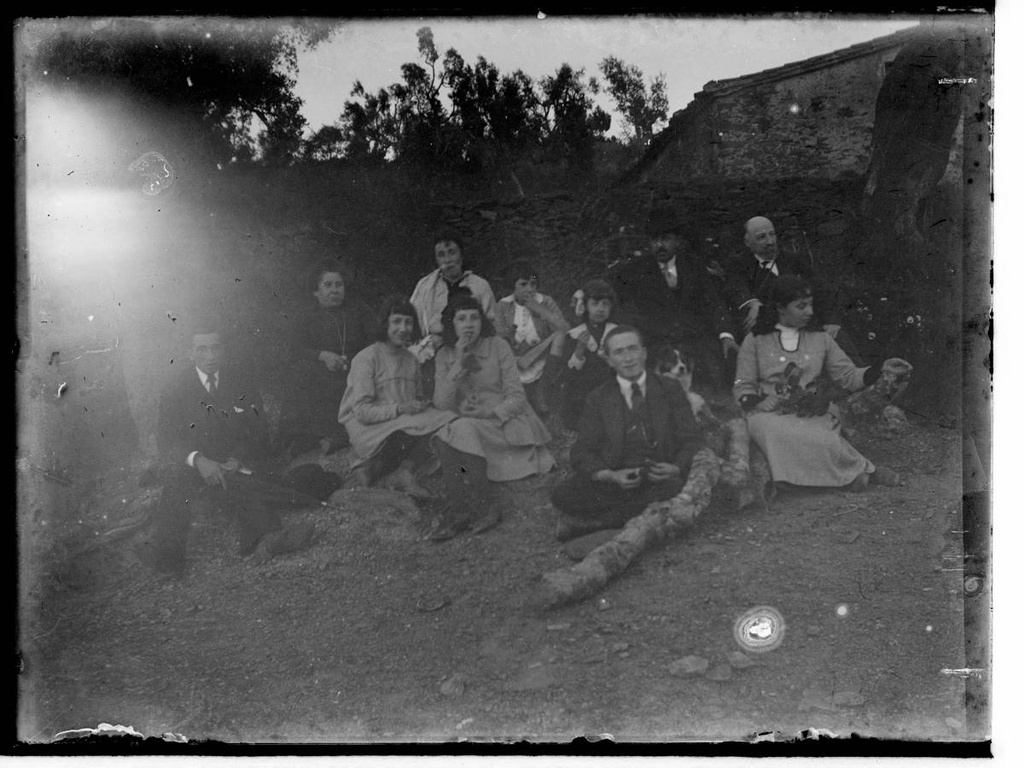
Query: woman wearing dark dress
point(326, 337)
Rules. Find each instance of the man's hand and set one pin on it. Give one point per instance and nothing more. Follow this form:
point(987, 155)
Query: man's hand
point(831, 329)
point(624, 478)
point(334, 361)
point(729, 345)
point(770, 403)
point(212, 472)
point(413, 406)
point(752, 311)
point(662, 470)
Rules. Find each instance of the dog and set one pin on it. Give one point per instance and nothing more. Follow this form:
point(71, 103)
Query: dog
point(676, 364)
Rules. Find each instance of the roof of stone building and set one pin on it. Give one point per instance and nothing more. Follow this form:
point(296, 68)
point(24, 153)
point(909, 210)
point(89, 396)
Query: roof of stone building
point(718, 88)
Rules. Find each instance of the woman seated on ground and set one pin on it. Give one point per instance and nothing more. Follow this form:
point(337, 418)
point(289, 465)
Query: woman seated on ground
point(388, 422)
point(587, 368)
point(325, 339)
point(534, 327)
point(801, 437)
point(498, 437)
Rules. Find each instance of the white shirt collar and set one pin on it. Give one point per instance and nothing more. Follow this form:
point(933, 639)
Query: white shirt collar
point(203, 378)
point(668, 267)
point(788, 337)
point(626, 387)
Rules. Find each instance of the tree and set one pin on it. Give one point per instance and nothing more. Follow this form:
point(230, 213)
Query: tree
point(216, 75)
point(573, 118)
point(498, 116)
point(641, 109)
point(328, 143)
point(493, 119)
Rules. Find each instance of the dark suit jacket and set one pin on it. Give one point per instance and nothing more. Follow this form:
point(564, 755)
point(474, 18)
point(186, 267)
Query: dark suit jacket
point(231, 424)
point(694, 309)
point(745, 280)
point(601, 442)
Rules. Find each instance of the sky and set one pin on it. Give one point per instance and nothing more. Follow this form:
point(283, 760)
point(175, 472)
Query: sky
point(689, 52)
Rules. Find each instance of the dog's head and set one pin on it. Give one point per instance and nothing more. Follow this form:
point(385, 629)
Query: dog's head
point(672, 362)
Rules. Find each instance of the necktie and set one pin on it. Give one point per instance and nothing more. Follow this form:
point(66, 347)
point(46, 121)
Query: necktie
point(638, 398)
point(670, 279)
point(211, 383)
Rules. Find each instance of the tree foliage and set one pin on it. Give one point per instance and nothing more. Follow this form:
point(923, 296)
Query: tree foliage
point(642, 109)
point(232, 80)
point(574, 119)
point(448, 114)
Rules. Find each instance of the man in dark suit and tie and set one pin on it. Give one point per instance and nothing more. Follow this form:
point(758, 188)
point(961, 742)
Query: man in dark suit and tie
point(211, 427)
point(668, 295)
point(636, 441)
point(748, 279)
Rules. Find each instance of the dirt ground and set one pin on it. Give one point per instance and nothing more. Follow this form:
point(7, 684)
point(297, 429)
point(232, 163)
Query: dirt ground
point(376, 636)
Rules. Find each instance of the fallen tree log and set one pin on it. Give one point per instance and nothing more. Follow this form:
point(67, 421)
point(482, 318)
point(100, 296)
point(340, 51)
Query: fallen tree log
point(736, 469)
point(745, 474)
point(656, 523)
point(745, 478)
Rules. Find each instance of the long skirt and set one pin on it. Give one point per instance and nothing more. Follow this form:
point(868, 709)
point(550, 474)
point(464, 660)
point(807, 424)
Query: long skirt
point(509, 456)
point(806, 450)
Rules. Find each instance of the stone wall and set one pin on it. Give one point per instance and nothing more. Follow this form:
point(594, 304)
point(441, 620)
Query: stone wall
point(814, 124)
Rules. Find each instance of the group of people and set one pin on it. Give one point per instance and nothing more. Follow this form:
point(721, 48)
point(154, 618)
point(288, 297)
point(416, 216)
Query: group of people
point(450, 377)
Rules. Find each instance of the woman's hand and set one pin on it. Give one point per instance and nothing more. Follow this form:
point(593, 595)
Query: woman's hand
point(333, 361)
point(896, 367)
point(582, 342)
point(770, 403)
point(412, 407)
point(539, 310)
point(476, 410)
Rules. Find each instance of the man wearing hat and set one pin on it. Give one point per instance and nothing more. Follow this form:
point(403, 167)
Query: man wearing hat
point(668, 295)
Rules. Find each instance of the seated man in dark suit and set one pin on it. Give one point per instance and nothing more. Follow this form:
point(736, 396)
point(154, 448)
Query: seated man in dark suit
point(668, 295)
point(211, 428)
point(637, 438)
point(751, 275)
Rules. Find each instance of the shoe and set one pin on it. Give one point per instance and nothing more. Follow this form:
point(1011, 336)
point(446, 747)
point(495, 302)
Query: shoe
point(360, 478)
point(860, 483)
point(448, 525)
point(490, 518)
point(885, 476)
point(573, 527)
point(292, 538)
point(404, 480)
